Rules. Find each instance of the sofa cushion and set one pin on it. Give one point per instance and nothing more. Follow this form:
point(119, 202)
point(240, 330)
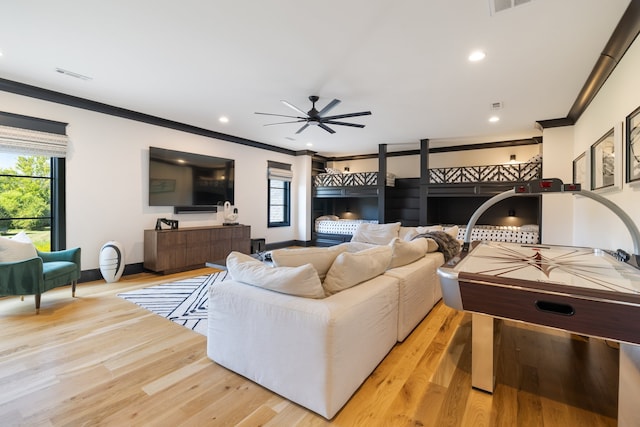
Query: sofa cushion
point(356, 246)
point(350, 269)
point(408, 233)
point(18, 248)
point(320, 258)
point(302, 281)
point(378, 234)
point(404, 253)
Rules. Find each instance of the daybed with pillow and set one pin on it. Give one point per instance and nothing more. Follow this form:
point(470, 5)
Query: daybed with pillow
point(330, 230)
point(316, 325)
point(26, 271)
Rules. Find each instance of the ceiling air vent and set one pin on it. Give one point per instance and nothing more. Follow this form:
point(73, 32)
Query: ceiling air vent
point(73, 74)
point(496, 105)
point(499, 5)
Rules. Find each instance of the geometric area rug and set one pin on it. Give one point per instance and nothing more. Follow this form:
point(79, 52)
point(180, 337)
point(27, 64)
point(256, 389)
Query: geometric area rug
point(184, 302)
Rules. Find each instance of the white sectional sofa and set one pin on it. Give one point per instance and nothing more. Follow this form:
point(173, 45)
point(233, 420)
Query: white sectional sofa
point(316, 351)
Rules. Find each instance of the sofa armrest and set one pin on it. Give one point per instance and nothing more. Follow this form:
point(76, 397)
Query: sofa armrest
point(21, 277)
point(69, 255)
point(315, 352)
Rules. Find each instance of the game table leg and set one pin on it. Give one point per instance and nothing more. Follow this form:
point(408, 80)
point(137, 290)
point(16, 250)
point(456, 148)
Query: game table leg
point(629, 386)
point(482, 352)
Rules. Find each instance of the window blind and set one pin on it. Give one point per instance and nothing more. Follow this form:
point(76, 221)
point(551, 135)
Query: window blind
point(279, 171)
point(33, 136)
point(35, 143)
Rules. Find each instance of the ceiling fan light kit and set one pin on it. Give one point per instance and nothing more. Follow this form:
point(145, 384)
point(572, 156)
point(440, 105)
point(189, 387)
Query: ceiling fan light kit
point(313, 117)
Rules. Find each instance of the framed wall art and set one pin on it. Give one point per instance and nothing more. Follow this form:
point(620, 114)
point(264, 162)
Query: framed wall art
point(580, 170)
point(605, 160)
point(632, 142)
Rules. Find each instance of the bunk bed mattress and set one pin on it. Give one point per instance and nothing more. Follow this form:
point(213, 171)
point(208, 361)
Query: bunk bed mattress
point(341, 226)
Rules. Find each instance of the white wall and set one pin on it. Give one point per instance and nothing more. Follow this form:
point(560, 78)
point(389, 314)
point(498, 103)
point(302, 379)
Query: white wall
point(557, 209)
point(409, 166)
point(107, 179)
point(594, 225)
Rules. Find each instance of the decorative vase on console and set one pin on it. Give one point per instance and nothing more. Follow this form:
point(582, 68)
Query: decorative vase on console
point(111, 261)
point(230, 215)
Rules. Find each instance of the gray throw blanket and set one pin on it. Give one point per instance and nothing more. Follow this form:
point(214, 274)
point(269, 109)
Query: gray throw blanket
point(447, 244)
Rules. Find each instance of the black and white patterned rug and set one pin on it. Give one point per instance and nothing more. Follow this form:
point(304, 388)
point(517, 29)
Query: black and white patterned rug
point(184, 302)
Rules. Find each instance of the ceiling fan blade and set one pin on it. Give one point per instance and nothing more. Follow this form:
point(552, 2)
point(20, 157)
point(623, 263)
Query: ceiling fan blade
point(328, 107)
point(281, 115)
point(344, 116)
point(331, 122)
point(288, 104)
point(282, 123)
point(325, 127)
point(303, 128)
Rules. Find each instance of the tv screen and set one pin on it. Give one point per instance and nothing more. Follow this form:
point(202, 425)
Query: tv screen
point(186, 179)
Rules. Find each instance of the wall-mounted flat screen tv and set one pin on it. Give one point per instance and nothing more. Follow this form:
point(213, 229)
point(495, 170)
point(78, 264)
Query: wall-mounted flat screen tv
point(187, 180)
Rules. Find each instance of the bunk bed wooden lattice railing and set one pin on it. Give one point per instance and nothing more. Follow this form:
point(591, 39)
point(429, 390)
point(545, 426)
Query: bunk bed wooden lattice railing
point(350, 179)
point(516, 172)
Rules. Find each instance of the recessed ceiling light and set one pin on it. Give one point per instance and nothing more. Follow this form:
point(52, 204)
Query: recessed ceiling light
point(494, 119)
point(223, 119)
point(477, 55)
point(309, 144)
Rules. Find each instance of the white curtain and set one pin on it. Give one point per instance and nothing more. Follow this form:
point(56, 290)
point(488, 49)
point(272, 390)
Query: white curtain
point(31, 142)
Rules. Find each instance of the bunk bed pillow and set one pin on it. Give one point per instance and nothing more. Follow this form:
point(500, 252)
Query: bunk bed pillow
point(328, 218)
point(320, 258)
point(350, 269)
point(300, 281)
point(404, 252)
point(378, 234)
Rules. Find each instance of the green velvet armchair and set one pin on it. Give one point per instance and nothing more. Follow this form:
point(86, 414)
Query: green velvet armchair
point(37, 275)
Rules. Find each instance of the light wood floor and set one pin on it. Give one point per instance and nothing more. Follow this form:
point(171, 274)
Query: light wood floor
point(100, 360)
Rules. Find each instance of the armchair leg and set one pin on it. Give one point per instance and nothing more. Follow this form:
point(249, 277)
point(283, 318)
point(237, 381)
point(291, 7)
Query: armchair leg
point(73, 288)
point(37, 303)
point(21, 297)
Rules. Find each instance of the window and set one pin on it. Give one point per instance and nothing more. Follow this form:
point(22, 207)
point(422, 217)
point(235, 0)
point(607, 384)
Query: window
point(32, 179)
point(25, 197)
point(279, 199)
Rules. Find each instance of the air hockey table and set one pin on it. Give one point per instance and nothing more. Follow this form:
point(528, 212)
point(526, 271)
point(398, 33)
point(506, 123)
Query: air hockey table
point(580, 290)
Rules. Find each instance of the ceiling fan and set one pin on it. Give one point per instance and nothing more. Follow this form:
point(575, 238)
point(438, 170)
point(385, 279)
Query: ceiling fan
point(315, 117)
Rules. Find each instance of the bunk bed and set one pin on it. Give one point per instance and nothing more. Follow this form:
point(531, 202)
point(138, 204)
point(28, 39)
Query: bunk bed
point(344, 200)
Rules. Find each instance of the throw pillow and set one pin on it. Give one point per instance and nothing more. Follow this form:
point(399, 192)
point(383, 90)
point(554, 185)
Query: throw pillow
point(378, 234)
point(320, 258)
point(452, 231)
point(404, 253)
point(18, 248)
point(302, 281)
point(350, 269)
